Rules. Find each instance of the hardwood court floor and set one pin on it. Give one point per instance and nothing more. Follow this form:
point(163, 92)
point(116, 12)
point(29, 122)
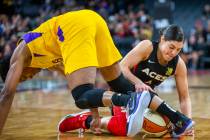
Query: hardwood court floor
point(35, 114)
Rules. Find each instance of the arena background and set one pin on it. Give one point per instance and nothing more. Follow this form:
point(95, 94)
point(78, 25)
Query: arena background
point(42, 101)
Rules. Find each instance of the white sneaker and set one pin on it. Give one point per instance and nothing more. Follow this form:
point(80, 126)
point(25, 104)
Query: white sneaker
point(135, 110)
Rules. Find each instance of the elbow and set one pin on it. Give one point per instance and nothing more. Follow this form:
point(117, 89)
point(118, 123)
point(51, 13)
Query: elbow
point(124, 68)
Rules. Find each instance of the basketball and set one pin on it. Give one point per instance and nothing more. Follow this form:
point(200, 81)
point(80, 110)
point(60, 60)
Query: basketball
point(155, 125)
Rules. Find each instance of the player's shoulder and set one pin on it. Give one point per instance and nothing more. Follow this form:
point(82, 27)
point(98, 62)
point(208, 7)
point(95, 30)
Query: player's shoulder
point(146, 42)
point(180, 62)
point(181, 66)
point(145, 46)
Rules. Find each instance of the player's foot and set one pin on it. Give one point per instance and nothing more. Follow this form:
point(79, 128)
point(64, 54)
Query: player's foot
point(182, 125)
point(135, 111)
point(73, 121)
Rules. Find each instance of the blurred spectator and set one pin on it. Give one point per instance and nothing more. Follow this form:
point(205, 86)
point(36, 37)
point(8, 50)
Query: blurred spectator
point(207, 33)
point(191, 53)
point(7, 50)
point(206, 12)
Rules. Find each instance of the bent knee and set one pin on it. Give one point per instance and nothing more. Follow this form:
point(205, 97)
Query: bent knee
point(82, 103)
point(78, 92)
point(86, 96)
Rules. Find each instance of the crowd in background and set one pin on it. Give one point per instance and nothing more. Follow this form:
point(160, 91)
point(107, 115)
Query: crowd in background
point(197, 46)
point(129, 23)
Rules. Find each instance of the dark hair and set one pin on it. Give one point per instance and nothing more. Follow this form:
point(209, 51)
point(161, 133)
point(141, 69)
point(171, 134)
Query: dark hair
point(172, 33)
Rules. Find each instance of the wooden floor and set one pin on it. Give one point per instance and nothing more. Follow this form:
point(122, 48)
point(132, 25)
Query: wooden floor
point(35, 114)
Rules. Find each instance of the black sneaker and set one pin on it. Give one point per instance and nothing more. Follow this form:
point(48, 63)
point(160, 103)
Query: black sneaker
point(182, 125)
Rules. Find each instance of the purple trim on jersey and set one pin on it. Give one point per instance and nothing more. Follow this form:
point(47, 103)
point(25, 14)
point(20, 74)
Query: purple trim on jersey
point(28, 37)
point(60, 34)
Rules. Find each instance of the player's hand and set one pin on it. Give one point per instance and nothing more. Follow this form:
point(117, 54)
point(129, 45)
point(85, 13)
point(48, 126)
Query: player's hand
point(96, 122)
point(95, 126)
point(142, 87)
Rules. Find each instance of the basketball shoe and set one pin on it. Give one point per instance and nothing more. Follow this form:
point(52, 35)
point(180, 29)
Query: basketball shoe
point(183, 124)
point(73, 121)
point(135, 111)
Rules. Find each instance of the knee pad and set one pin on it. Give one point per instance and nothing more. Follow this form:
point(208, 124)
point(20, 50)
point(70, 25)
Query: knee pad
point(86, 96)
point(120, 122)
point(121, 85)
point(82, 103)
point(78, 93)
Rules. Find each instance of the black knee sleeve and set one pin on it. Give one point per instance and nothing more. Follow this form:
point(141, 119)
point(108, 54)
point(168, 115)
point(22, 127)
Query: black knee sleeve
point(86, 96)
point(121, 85)
point(80, 90)
point(152, 94)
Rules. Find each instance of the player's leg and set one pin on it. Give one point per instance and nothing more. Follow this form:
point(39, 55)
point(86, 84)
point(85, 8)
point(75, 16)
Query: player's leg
point(81, 78)
point(81, 58)
point(80, 64)
point(82, 54)
point(108, 60)
point(135, 115)
point(96, 49)
point(75, 121)
point(83, 120)
point(118, 83)
point(81, 83)
point(181, 122)
point(115, 79)
point(109, 123)
point(111, 72)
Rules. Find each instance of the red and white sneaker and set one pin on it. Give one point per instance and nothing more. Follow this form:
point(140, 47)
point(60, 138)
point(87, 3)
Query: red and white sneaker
point(73, 121)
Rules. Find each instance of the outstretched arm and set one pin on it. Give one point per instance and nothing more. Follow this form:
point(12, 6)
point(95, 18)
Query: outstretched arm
point(182, 87)
point(12, 79)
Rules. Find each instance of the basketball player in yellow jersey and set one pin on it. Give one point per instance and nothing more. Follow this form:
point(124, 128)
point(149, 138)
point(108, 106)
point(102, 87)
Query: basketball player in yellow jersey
point(80, 42)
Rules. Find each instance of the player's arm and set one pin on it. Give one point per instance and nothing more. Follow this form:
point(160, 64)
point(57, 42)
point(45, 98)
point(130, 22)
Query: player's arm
point(182, 88)
point(140, 53)
point(12, 79)
point(96, 122)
